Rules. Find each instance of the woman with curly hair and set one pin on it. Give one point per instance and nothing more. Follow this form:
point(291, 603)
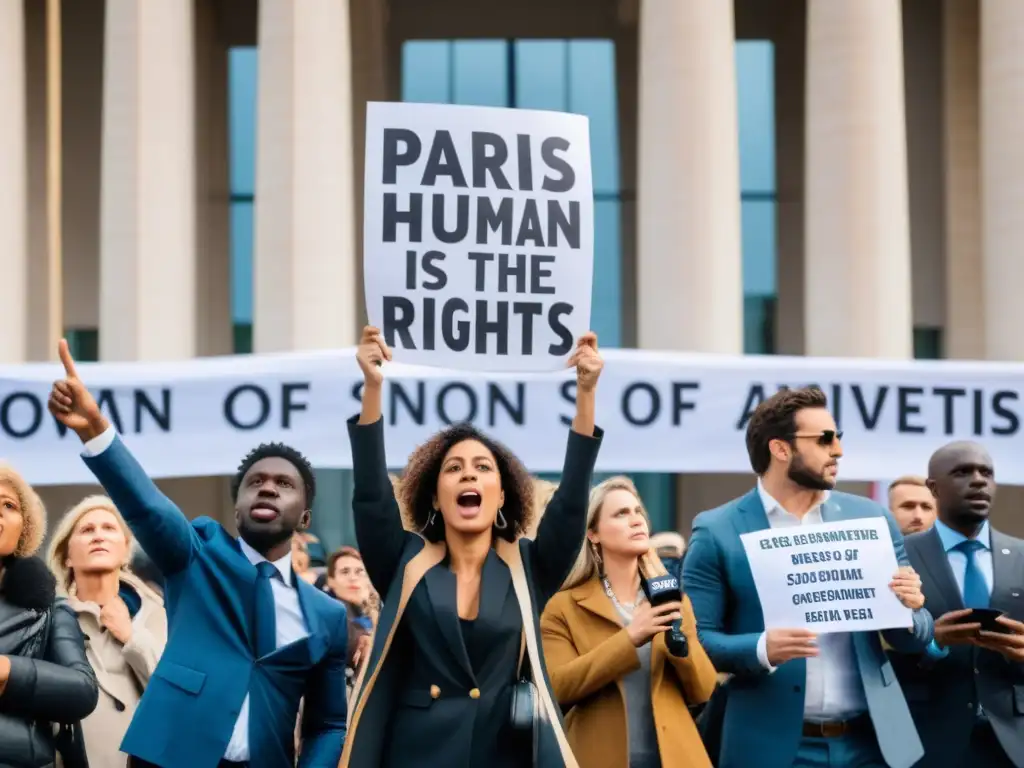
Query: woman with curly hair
point(457, 642)
point(45, 678)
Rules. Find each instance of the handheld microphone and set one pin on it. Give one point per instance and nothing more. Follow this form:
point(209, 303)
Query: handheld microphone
point(665, 589)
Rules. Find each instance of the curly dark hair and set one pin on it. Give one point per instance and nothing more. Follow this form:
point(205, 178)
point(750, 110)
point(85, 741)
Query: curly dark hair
point(775, 419)
point(419, 483)
point(277, 451)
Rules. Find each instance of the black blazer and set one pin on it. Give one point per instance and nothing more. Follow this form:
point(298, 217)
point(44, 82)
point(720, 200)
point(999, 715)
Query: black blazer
point(424, 705)
point(943, 694)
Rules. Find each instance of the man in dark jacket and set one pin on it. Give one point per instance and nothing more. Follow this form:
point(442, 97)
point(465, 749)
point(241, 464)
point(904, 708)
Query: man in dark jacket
point(967, 692)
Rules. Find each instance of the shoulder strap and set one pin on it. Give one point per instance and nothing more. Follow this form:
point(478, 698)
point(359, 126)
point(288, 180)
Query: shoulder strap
point(522, 652)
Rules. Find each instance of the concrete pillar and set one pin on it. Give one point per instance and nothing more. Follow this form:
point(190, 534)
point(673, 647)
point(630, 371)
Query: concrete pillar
point(689, 268)
point(1002, 184)
point(13, 182)
point(213, 203)
point(965, 306)
point(305, 283)
point(857, 272)
point(148, 197)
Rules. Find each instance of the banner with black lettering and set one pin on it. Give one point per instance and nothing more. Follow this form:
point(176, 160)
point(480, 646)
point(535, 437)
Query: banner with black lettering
point(478, 237)
point(662, 412)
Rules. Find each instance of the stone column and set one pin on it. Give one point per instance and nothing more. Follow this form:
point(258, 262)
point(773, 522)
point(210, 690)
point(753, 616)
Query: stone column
point(965, 306)
point(1002, 183)
point(857, 222)
point(13, 183)
point(304, 268)
point(689, 269)
point(148, 196)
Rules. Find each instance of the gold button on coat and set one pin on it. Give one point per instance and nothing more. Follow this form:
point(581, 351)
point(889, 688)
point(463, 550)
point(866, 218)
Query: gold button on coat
point(435, 692)
point(475, 693)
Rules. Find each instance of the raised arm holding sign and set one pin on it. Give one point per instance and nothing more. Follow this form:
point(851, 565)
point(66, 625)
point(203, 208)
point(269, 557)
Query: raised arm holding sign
point(457, 572)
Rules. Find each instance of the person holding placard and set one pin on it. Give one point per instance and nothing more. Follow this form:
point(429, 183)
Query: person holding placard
point(972, 579)
point(797, 698)
point(456, 660)
point(611, 664)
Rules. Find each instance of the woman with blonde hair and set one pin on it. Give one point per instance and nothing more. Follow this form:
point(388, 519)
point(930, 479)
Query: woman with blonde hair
point(122, 618)
point(45, 678)
point(626, 696)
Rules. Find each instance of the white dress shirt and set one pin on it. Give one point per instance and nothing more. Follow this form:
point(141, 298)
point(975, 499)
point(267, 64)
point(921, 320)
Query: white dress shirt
point(290, 623)
point(958, 559)
point(833, 688)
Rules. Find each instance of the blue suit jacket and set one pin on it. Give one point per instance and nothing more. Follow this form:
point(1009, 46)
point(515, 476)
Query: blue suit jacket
point(192, 701)
point(764, 711)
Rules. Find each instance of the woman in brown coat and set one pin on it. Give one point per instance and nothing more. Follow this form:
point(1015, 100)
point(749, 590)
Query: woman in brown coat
point(123, 620)
point(627, 698)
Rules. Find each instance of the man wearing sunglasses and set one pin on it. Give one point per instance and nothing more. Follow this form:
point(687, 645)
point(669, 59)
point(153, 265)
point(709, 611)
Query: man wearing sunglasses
point(796, 699)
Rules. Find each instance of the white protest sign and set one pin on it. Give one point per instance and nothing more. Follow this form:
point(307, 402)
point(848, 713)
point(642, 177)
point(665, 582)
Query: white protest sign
point(478, 237)
point(832, 577)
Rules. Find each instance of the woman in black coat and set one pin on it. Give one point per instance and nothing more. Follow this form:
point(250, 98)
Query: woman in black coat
point(45, 678)
point(461, 596)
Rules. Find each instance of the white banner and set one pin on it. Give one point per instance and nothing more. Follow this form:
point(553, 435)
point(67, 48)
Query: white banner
point(662, 412)
point(478, 239)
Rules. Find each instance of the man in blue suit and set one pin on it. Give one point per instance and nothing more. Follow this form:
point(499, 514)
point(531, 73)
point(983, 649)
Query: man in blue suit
point(247, 640)
point(796, 699)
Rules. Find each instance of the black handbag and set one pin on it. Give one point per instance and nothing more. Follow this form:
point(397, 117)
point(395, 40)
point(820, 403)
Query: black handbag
point(525, 711)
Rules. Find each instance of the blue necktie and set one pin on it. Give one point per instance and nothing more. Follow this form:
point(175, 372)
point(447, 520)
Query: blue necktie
point(266, 618)
point(975, 589)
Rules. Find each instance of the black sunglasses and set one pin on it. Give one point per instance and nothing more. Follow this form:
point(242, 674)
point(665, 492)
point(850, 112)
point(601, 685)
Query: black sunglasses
point(824, 438)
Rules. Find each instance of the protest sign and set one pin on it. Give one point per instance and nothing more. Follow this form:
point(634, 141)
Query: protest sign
point(661, 411)
point(832, 577)
point(478, 234)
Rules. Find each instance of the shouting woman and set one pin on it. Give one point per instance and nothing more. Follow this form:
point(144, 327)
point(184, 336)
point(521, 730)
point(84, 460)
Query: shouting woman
point(457, 643)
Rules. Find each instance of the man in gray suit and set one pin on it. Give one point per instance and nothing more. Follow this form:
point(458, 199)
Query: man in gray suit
point(797, 700)
point(967, 692)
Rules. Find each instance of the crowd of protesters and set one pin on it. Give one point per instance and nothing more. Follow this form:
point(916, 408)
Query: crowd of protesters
point(493, 619)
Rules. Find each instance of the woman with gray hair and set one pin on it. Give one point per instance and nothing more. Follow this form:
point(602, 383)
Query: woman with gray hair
point(46, 683)
point(123, 619)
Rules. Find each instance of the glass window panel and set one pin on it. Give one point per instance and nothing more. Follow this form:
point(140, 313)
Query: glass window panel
point(755, 86)
point(84, 344)
point(242, 119)
point(606, 301)
point(426, 71)
point(658, 493)
point(758, 237)
point(241, 261)
point(541, 81)
point(759, 325)
point(592, 92)
point(481, 72)
point(242, 338)
point(928, 343)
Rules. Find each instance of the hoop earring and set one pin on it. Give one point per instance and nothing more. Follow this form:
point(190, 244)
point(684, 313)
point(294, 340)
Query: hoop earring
point(500, 522)
point(430, 521)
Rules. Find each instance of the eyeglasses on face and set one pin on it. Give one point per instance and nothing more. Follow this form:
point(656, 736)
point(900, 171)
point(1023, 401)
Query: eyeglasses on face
point(825, 437)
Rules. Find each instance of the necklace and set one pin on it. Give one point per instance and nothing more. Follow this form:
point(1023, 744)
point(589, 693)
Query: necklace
point(625, 607)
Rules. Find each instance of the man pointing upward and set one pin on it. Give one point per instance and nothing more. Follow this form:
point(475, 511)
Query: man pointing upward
point(246, 638)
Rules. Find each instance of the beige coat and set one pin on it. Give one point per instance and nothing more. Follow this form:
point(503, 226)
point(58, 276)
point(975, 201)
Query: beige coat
point(121, 670)
point(588, 653)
